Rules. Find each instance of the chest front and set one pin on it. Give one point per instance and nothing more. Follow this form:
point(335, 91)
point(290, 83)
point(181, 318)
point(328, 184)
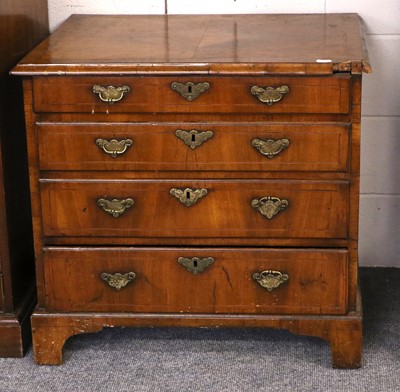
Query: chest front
point(203, 185)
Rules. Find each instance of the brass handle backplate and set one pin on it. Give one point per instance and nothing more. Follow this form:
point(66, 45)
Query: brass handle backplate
point(115, 207)
point(189, 90)
point(117, 280)
point(194, 138)
point(188, 196)
point(269, 95)
point(114, 147)
point(269, 206)
point(111, 94)
point(195, 265)
point(269, 279)
point(270, 148)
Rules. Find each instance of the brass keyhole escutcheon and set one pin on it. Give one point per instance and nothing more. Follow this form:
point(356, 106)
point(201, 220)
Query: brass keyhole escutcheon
point(190, 90)
point(193, 138)
point(195, 265)
point(188, 196)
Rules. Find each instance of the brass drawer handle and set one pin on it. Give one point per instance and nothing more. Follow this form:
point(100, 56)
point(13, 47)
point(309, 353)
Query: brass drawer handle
point(110, 94)
point(195, 265)
point(269, 279)
point(188, 196)
point(117, 280)
point(114, 147)
point(270, 148)
point(194, 138)
point(189, 90)
point(269, 206)
point(269, 95)
point(115, 207)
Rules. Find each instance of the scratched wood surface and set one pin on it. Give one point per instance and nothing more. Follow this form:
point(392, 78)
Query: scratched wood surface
point(315, 43)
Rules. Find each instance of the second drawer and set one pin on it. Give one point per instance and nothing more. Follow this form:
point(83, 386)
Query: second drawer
point(233, 147)
point(196, 208)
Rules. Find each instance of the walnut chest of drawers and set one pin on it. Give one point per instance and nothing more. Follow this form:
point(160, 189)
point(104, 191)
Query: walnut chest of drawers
point(196, 171)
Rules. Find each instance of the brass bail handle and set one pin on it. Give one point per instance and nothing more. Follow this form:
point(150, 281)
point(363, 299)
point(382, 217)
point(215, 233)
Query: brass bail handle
point(270, 147)
point(118, 280)
point(114, 147)
point(269, 206)
point(269, 95)
point(270, 279)
point(115, 207)
point(111, 94)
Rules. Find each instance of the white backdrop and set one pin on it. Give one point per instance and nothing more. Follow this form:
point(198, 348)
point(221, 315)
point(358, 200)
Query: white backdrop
point(380, 147)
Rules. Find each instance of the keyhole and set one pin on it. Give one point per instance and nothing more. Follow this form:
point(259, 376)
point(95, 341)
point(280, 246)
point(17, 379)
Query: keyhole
point(189, 89)
point(193, 137)
point(187, 195)
point(195, 263)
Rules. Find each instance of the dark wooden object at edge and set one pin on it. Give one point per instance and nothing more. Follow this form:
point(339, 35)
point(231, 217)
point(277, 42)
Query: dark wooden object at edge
point(23, 24)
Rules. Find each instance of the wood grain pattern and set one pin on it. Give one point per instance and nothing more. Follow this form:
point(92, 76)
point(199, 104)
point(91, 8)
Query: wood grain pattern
point(202, 43)
point(313, 147)
point(317, 281)
point(225, 95)
point(316, 209)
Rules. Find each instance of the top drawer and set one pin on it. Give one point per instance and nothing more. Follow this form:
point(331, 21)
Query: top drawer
point(200, 94)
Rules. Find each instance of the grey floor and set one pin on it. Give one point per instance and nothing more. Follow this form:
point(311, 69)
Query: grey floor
point(117, 360)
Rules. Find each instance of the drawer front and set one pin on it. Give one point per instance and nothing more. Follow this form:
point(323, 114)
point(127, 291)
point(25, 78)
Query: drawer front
point(177, 208)
point(194, 147)
point(233, 280)
point(323, 94)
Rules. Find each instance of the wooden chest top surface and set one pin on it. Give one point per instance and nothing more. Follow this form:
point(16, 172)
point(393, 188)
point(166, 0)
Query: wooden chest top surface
point(311, 44)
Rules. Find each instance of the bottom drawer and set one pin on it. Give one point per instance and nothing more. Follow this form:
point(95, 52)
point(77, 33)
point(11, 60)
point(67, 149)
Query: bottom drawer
point(171, 280)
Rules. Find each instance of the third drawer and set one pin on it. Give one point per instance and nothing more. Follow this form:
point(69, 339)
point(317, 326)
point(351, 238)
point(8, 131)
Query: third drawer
point(195, 208)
